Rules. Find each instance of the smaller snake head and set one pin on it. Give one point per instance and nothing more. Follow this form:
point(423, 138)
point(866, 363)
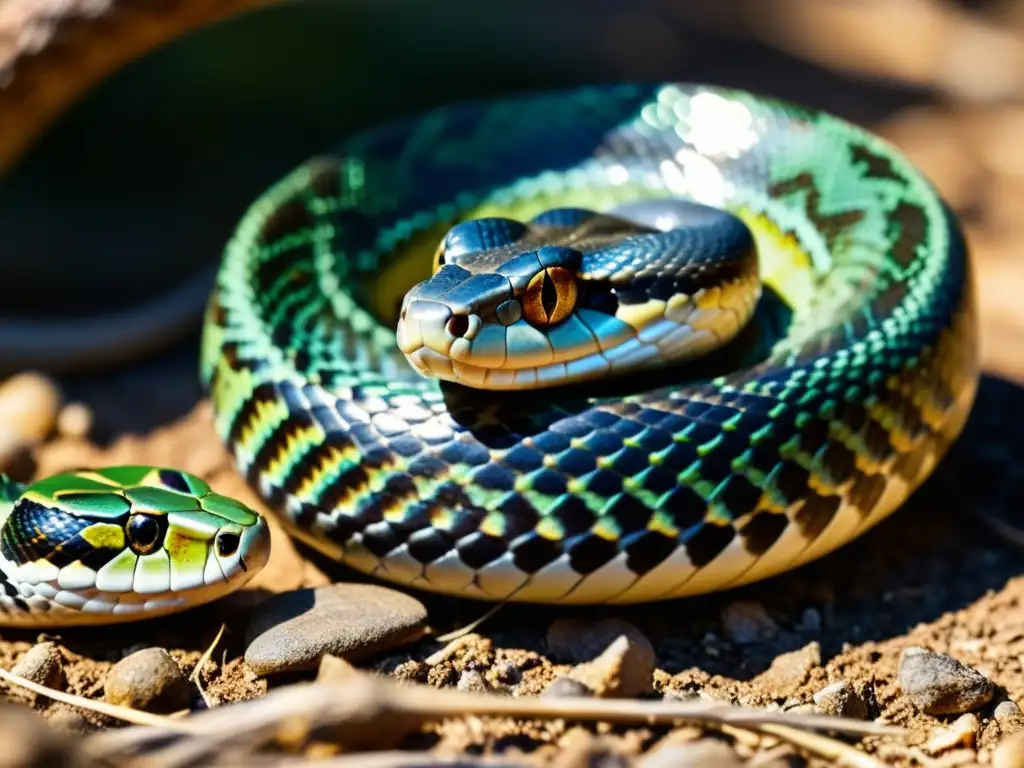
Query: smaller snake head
point(125, 543)
point(574, 295)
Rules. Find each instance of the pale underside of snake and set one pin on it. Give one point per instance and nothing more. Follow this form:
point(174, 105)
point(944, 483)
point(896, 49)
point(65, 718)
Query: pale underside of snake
point(624, 343)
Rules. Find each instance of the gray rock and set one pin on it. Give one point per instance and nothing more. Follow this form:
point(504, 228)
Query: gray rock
point(746, 622)
point(940, 685)
point(293, 630)
point(42, 664)
point(841, 699)
point(810, 620)
point(149, 680)
point(566, 687)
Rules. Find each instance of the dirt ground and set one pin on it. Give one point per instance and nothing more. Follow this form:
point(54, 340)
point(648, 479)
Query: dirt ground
point(933, 575)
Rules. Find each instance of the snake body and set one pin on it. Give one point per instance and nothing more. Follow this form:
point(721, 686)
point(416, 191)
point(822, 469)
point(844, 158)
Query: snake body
point(853, 375)
point(600, 392)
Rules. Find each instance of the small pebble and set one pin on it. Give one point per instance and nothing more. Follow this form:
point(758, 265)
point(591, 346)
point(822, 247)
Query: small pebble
point(74, 420)
point(624, 670)
point(961, 733)
point(1006, 709)
point(293, 630)
point(566, 687)
point(42, 664)
point(841, 699)
point(789, 670)
point(149, 680)
point(745, 622)
point(29, 403)
point(940, 685)
point(472, 680)
point(508, 673)
point(1010, 752)
point(579, 640)
point(810, 620)
point(696, 754)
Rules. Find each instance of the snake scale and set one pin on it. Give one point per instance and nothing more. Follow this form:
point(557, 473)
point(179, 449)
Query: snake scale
point(652, 341)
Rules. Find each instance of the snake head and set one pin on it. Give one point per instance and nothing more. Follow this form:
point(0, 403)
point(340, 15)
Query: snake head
point(573, 295)
point(124, 543)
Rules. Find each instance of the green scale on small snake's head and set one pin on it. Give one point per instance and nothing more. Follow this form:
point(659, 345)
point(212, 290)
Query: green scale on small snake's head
point(672, 339)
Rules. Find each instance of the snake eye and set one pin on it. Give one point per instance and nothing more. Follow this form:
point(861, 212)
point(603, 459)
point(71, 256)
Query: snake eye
point(227, 543)
point(550, 297)
point(145, 534)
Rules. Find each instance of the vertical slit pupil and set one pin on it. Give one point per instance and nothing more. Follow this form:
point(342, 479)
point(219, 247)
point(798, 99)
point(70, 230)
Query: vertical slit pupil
point(548, 294)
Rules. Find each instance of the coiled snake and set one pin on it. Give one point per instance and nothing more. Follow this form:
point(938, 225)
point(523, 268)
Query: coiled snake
point(676, 338)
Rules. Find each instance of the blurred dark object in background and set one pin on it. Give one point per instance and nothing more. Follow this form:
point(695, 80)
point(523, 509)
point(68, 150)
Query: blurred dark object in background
point(139, 187)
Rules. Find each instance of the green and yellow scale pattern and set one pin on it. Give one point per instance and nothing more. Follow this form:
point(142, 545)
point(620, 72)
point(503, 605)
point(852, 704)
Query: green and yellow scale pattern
point(67, 555)
point(834, 404)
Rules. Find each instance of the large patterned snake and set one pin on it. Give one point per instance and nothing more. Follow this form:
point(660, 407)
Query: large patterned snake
point(675, 339)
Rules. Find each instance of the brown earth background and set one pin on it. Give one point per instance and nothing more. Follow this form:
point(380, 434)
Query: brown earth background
point(143, 199)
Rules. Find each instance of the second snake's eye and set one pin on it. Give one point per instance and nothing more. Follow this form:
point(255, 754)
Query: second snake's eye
point(145, 534)
point(550, 296)
point(227, 543)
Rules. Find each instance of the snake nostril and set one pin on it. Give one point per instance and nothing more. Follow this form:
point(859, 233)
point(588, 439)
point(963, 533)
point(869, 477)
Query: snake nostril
point(458, 326)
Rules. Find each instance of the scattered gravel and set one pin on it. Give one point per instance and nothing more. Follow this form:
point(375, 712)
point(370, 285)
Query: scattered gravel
point(962, 733)
point(940, 685)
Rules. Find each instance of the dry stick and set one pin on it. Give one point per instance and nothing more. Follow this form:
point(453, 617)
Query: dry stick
point(360, 699)
point(391, 759)
point(463, 631)
point(838, 753)
point(194, 677)
point(111, 710)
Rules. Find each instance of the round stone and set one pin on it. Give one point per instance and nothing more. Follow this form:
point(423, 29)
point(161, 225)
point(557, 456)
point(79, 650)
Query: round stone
point(293, 630)
point(43, 664)
point(940, 685)
point(149, 680)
